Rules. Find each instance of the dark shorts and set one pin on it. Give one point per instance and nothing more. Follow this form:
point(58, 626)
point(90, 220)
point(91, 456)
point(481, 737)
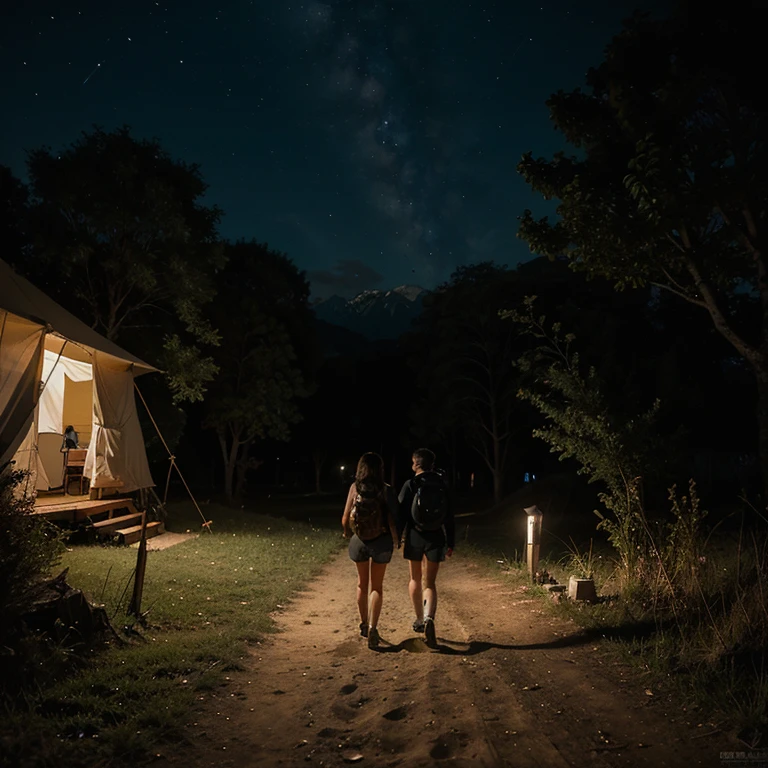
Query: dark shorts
point(379, 549)
point(429, 543)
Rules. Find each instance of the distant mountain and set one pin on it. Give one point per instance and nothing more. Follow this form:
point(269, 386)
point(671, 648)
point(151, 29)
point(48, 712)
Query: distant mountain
point(336, 341)
point(374, 314)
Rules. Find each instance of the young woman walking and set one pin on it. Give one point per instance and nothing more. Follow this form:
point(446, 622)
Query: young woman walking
point(369, 522)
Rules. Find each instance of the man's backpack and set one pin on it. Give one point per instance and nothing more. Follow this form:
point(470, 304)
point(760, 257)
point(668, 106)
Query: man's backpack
point(430, 501)
point(367, 518)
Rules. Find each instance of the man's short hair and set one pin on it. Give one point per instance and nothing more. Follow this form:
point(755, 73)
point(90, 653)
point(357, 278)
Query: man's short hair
point(424, 458)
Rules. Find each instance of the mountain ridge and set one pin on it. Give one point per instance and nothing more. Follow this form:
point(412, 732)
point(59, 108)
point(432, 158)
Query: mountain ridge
point(374, 313)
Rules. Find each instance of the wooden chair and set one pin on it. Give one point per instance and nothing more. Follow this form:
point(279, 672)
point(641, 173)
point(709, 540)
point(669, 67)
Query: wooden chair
point(74, 465)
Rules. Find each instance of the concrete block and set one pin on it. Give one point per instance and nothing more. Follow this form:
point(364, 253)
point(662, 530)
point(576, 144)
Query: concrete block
point(582, 589)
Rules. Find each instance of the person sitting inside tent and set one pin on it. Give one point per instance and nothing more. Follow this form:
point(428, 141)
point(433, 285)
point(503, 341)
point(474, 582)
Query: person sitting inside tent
point(71, 439)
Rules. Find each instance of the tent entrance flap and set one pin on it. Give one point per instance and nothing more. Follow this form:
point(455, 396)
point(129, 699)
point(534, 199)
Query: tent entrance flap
point(66, 400)
point(56, 398)
point(116, 454)
point(21, 362)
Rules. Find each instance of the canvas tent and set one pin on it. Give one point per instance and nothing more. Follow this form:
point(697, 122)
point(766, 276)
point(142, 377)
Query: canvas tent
point(54, 371)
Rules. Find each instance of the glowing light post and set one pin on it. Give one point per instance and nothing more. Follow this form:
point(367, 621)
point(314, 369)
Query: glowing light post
point(341, 476)
point(533, 545)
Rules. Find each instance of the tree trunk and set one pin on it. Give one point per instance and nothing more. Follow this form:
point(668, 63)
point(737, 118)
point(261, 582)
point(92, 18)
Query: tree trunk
point(498, 486)
point(454, 468)
point(318, 457)
point(498, 471)
point(229, 471)
point(225, 460)
point(761, 374)
point(230, 462)
point(756, 356)
point(241, 467)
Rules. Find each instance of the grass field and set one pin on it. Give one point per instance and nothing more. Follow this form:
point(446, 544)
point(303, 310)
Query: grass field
point(210, 597)
point(205, 600)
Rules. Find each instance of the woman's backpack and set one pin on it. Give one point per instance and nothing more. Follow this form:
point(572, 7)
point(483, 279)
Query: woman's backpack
point(367, 517)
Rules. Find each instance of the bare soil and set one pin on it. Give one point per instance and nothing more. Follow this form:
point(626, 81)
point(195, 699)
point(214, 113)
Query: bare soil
point(509, 685)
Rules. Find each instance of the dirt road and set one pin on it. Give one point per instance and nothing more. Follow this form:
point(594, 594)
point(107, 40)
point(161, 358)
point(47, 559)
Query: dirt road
point(508, 686)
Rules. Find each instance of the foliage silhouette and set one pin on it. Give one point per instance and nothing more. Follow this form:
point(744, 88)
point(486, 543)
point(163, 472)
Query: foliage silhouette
point(666, 187)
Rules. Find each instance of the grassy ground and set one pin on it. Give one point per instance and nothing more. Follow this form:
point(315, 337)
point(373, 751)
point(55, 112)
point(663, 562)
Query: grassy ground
point(209, 598)
point(711, 659)
point(206, 599)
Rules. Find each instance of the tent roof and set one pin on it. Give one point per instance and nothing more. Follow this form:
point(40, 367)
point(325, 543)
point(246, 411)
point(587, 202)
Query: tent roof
point(19, 297)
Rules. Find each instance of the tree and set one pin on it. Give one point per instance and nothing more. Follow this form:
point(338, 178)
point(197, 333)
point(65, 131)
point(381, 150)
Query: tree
point(668, 186)
point(14, 200)
point(122, 239)
point(463, 354)
point(261, 300)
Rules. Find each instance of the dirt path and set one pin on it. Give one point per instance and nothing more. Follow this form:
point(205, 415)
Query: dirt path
point(508, 686)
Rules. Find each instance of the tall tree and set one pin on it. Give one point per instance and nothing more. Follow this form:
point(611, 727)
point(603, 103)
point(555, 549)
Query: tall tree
point(463, 354)
point(122, 238)
point(669, 183)
point(261, 301)
point(14, 200)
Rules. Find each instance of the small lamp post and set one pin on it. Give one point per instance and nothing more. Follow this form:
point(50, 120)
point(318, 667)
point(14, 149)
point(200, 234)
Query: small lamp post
point(533, 542)
point(341, 476)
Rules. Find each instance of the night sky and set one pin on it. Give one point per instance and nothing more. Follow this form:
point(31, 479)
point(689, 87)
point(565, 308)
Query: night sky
point(373, 142)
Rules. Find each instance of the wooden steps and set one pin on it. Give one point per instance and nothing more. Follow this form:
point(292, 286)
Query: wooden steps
point(115, 524)
point(127, 527)
point(133, 534)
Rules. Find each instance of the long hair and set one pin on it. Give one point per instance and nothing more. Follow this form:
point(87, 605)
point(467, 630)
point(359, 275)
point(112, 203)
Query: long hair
point(370, 473)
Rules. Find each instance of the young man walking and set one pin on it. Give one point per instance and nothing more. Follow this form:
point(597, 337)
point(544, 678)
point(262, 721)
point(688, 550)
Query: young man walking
point(426, 527)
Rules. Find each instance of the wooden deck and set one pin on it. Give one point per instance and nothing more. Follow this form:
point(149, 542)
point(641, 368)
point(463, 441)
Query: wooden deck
point(80, 507)
point(75, 509)
point(46, 498)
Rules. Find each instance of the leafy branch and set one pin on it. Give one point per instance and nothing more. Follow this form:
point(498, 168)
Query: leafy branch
point(579, 425)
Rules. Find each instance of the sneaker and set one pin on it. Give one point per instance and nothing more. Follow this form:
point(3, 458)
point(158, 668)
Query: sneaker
point(373, 638)
point(363, 629)
point(418, 625)
point(429, 631)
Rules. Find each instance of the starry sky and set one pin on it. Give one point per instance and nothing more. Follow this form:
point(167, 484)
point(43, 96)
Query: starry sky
point(373, 142)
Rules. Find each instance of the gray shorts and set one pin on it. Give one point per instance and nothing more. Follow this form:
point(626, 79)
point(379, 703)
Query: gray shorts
point(379, 549)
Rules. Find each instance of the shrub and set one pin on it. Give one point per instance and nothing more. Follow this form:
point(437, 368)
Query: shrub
point(29, 548)
point(614, 452)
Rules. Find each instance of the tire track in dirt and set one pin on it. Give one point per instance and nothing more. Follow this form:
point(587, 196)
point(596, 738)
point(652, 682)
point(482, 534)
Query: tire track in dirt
point(508, 686)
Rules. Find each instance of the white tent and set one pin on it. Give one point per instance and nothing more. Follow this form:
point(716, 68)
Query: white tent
point(55, 371)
